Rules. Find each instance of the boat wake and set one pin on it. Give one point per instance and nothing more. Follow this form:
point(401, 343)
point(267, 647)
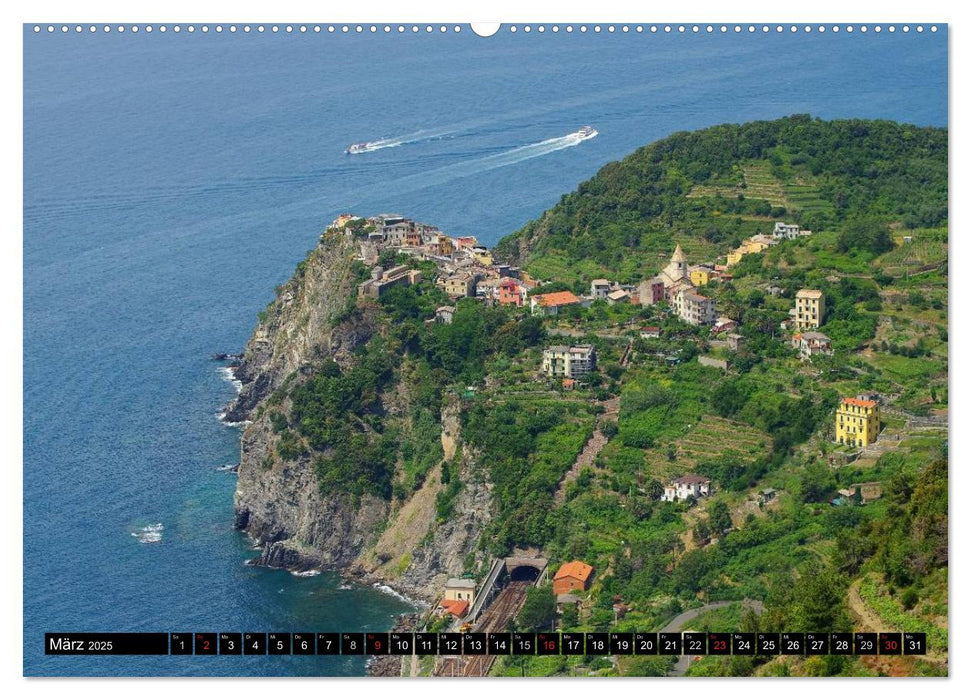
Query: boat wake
point(503, 159)
point(371, 146)
point(533, 150)
point(149, 534)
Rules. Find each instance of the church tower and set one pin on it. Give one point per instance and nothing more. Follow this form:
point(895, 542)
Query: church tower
point(679, 265)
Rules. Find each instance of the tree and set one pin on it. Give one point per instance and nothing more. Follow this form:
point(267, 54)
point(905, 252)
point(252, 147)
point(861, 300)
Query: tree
point(721, 519)
point(728, 398)
point(818, 600)
point(538, 609)
point(570, 617)
point(702, 532)
point(870, 235)
point(816, 482)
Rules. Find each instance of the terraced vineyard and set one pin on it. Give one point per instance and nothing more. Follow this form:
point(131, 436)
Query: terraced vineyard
point(927, 247)
point(710, 440)
point(760, 183)
point(805, 199)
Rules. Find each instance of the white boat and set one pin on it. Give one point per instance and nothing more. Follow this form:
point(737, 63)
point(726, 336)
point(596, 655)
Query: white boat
point(358, 148)
point(586, 132)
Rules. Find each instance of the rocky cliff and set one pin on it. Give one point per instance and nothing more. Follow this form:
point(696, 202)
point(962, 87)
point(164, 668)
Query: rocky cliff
point(302, 324)
point(279, 501)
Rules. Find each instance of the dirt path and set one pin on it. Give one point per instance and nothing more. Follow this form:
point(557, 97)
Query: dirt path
point(867, 620)
point(590, 450)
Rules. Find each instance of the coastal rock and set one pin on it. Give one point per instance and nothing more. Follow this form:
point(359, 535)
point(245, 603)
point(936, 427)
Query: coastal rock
point(281, 506)
point(302, 323)
point(280, 503)
point(416, 553)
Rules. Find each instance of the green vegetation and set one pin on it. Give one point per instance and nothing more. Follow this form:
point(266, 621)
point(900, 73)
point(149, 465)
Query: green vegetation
point(538, 610)
point(875, 195)
point(527, 447)
point(721, 184)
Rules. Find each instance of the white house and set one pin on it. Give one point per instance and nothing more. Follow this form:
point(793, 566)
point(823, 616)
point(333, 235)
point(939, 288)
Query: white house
point(599, 288)
point(686, 486)
point(810, 343)
point(444, 314)
point(784, 231)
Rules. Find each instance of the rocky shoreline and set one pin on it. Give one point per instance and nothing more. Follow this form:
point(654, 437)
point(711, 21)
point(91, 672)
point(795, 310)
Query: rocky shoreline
point(389, 666)
point(398, 545)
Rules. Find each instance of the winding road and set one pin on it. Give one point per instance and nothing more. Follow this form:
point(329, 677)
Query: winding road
point(676, 623)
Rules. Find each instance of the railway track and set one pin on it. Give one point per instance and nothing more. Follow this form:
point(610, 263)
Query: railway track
point(494, 619)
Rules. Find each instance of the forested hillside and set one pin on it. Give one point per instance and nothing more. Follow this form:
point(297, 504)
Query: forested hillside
point(710, 188)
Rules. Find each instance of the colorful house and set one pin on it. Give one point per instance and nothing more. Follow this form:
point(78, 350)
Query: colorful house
point(510, 291)
point(651, 291)
point(572, 576)
point(550, 304)
point(857, 422)
point(700, 275)
point(460, 589)
point(810, 309)
point(455, 608)
point(482, 256)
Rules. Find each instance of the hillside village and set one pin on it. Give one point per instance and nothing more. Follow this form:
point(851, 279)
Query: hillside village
point(715, 389)
point(465, 270)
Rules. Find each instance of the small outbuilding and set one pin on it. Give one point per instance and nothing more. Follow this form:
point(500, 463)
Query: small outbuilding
point(572, 576)
point(460, 589)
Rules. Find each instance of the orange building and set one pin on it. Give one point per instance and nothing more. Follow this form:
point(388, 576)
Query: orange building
point(572, 576)
point(549, 304)
point(455, 608)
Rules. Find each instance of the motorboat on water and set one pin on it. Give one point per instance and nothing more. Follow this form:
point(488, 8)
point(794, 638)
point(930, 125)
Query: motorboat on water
point(586, 132)
point(358, 148)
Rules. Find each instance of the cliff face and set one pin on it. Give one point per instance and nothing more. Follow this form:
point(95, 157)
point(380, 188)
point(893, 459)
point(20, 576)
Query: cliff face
point(281, 506)
point(417, 552)
point(279, 502)
point(302, 323)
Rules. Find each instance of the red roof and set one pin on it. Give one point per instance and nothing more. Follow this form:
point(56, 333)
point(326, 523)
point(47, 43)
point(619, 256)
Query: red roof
point(455, 607)
point(862, 403)
point(574, 569)
point(557, 299)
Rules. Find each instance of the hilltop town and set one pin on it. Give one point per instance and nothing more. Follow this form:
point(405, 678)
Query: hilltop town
point(730, 414)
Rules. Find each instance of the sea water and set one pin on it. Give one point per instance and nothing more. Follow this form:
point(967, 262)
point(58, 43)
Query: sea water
point(171, 181)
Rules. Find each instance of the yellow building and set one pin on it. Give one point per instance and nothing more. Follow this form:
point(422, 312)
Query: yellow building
point(857, 422)
point(700, 275)
point(753, 244)
point(810, 308)
point(482, 256)
point(757, 243)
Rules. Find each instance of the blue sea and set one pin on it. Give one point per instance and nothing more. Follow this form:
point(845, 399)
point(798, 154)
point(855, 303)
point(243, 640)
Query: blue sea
point(171, 181)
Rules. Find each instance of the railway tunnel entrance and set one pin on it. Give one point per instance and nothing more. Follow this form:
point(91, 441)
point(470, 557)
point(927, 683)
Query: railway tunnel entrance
point(524, 573)
point(527, 569)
